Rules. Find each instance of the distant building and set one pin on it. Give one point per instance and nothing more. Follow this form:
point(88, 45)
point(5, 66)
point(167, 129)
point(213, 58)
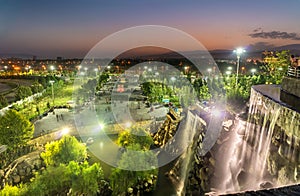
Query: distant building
point(269, 57)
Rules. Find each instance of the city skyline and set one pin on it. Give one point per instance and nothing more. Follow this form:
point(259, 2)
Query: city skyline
point(71, 29)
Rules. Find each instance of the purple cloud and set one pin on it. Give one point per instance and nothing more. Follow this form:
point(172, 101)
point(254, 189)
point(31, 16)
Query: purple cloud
point(259, 33)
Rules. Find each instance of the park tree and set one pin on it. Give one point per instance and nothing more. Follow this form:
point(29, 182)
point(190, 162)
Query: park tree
point(3, 101)
point(63, 151)
point(124, 180)
point(36, 87)
point(103, 78)
point(85, 178)
point(135, 135)
point(43, 81)
point(15, 129)
point(9, 190)
point(23, 92)
point(82, 179)
point(277, 68)
point(137, 157)
point(155, 91)
point(201, 89)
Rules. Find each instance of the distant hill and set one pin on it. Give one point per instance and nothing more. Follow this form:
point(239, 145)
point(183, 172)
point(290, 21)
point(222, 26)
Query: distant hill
point(17, 55)
point(228, 54)
point(293, 48)
point(157, 53)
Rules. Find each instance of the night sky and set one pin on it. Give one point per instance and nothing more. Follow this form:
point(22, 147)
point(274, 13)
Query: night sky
point(50, 28)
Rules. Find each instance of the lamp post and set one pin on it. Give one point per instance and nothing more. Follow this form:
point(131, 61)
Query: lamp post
point(239, 52)
point(253, 71)
point(209, 70)
point(173, 79)
point(51, 82)
point(186, 69)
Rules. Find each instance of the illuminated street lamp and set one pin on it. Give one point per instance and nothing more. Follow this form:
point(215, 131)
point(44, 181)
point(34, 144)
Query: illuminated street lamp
point(65, 131)
point(52, 68)
point(186, 69)
point(128, 124)
point(209, 71)
point(173, 79)
point(239, 52)
point(253, 71)
point(96, 71)
point(51, 82)
point(228, 72)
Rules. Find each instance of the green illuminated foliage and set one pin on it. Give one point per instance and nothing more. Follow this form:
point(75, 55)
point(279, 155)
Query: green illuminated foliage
point(63, 151)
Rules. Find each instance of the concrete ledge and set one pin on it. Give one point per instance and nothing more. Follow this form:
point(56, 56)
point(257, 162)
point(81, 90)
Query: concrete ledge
point(290, 99)
point(291, 86)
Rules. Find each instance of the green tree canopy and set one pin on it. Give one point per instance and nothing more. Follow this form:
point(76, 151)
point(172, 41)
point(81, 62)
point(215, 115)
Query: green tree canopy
point(155, 91)
point(3, 101)
point(81, 178)
point(36, 87)
point(278, 67)
point(63, 151)
point(15, 129)
point(23, 92)
point(123, 179)
point(135, 135)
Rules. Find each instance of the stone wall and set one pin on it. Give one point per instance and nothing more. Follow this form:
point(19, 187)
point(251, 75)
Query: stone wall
point(22, 169)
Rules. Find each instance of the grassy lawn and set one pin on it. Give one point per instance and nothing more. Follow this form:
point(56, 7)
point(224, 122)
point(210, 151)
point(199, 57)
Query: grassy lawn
point(62, 94)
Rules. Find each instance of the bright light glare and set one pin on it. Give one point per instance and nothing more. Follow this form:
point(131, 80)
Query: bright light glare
point(101, 126)
point(65, 131)
point(128, 124)
point(228, 72)
point(253, 70)
point(101, 144)
point(215, 112)
point(239, 51)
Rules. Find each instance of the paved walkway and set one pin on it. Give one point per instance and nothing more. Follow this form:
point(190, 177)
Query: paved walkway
point(60, 119)
point(100, 111)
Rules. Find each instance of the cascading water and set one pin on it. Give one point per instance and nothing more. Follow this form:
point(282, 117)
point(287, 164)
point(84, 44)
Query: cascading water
point(262, 152)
